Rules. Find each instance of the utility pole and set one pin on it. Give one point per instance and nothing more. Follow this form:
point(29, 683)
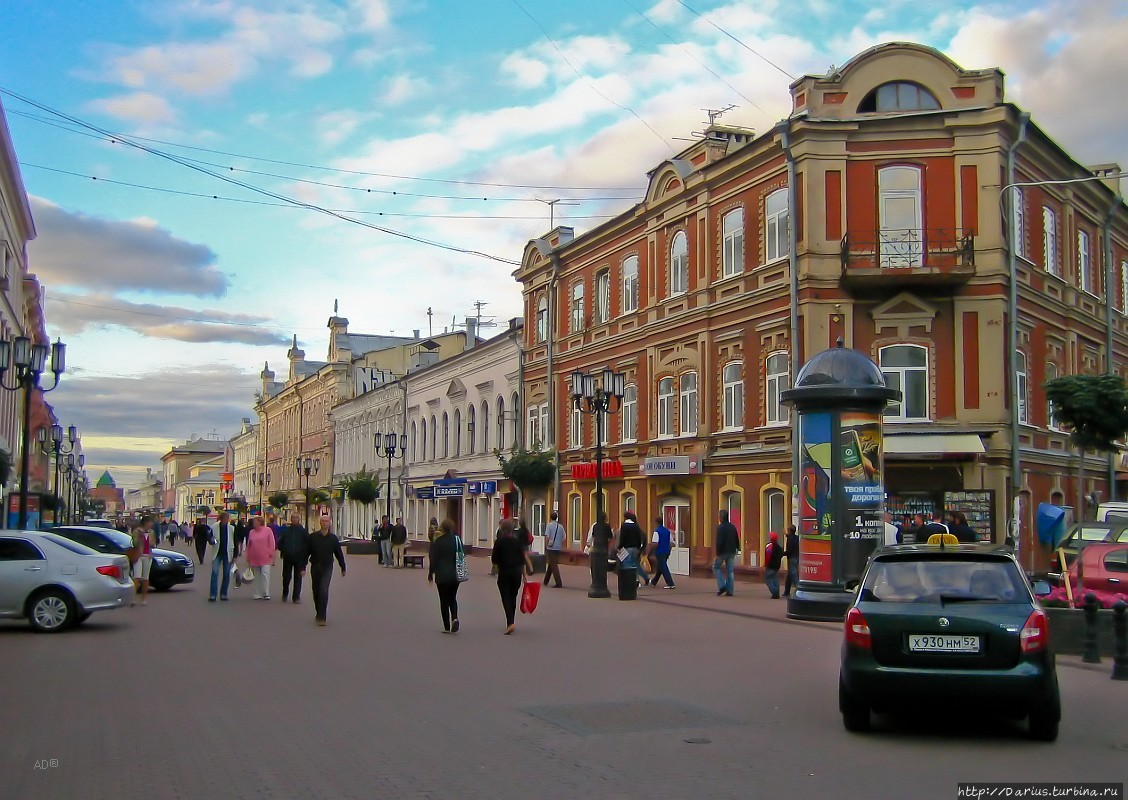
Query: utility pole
point(430, 314)
point(552, 209)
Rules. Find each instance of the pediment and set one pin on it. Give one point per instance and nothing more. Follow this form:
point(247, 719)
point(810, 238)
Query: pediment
point(456, 388)
point(903, 311)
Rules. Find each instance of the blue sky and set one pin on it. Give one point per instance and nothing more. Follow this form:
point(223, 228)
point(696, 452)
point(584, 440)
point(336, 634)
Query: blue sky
point(171, 303)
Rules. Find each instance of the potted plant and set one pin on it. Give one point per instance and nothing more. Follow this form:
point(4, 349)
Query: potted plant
point(278, 500)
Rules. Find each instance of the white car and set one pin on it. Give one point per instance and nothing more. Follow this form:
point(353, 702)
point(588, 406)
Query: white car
point(55, 583)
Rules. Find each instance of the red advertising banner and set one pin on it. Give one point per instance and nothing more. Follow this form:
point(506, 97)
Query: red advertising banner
point(586, 472)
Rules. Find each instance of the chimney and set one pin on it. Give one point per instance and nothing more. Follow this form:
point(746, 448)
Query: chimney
point(1109, 175)
point(424, 359)
point(471, 333)
point(415, 334)
point(564, 235)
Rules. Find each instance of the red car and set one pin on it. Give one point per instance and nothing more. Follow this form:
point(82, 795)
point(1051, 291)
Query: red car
point(1102, 566)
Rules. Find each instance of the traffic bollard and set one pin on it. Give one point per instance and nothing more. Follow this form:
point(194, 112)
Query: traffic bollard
point(1120, 628)
point(1092, 651)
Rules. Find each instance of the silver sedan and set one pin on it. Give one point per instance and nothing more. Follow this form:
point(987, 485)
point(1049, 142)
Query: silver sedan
point(55, 583)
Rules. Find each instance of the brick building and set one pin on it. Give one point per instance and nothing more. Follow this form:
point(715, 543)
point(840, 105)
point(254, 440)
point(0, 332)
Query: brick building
point(874, 213)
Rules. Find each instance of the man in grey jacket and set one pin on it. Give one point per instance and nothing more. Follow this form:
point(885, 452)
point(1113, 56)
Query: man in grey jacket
point(726, 544)
point(553, 543)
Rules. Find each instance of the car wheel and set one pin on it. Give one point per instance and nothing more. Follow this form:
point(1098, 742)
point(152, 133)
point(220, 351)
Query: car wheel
point(51, 611)
point(855, 712)
point(1045, 719)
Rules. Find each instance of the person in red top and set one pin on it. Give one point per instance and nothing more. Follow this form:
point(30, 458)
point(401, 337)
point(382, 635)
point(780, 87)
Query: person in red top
point(143, 542)
point(773, 558)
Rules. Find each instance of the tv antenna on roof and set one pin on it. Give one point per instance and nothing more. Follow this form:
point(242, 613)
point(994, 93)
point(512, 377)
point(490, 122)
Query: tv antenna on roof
point(717, 113)
point(552, 209)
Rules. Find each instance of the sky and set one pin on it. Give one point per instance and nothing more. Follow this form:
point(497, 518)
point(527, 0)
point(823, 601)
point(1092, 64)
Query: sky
point(208, 177)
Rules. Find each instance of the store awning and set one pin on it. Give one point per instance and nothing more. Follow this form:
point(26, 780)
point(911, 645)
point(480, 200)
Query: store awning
point(932, 445)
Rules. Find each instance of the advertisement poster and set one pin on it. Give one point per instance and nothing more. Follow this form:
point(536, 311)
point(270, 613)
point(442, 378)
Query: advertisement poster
point(815, 508)
point(859, 442)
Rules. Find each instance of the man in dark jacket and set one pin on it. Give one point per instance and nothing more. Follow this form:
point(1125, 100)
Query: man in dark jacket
point(293, 542)
point(399, 542)
point(791, 550)
point(384, 539)
point(726, 545)
point(631, 538)
point(773, 557)
point(324, 546)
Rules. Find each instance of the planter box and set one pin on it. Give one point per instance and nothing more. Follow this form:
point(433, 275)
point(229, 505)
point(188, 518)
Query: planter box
point(360, 547)
point(1067, 631)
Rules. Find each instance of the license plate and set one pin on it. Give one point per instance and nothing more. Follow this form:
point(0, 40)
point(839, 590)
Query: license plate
point(934, 643)
point(189, 570)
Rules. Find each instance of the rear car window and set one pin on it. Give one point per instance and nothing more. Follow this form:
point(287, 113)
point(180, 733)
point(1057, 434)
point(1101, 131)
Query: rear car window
point(1116, 561)
point(929, 580)
point(67, 544)
point(19, 550)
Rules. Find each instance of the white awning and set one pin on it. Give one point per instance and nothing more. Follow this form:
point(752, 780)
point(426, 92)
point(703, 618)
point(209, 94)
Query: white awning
point(932, 445)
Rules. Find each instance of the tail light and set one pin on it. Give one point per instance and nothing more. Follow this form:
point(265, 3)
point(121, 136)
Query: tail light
point(857, 630)
point(112, 571)
point(1035, 633)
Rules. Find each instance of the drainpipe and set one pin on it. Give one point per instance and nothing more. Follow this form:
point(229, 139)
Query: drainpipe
point(519, 414)
point(545, 248)
point(404, 466)
point(1012, 333)
point(793, 266)
point(1106, 235)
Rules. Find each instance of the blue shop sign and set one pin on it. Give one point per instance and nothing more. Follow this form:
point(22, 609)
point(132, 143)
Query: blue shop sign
point(450, 491)
point(473, 487)
point(425, 493)
point(489, 487)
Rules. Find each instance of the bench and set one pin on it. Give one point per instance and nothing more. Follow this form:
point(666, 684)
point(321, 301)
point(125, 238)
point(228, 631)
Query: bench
point(410, 560)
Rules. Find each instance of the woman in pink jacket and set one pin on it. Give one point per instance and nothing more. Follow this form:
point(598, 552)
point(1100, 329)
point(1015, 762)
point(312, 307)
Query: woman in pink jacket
point(260, 557)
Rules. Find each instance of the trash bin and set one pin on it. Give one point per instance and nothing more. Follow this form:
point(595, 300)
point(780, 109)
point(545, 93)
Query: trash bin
point(628, 582)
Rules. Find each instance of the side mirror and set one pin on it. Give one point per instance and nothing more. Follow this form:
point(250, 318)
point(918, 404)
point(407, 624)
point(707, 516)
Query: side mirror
point(1042, 588)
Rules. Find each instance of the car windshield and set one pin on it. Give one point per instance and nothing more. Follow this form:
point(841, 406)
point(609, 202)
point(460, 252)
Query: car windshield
point(948, 579)
point(74, 547)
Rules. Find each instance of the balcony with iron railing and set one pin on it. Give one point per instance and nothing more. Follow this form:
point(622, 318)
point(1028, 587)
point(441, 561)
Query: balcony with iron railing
point(910, 256)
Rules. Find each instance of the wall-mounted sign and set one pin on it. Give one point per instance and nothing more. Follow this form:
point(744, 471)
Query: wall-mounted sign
point(612, 468)
point(369, 378)
point(481, 487)
point(671, 465)
point(425, 492)
point(450, 491)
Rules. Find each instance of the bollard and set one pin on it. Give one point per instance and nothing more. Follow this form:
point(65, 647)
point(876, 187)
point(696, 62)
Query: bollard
point(1120, 628)
point(1091, 654)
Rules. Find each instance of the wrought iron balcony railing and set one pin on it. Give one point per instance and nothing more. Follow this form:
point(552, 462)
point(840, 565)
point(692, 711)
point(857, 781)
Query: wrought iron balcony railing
point(933, 249)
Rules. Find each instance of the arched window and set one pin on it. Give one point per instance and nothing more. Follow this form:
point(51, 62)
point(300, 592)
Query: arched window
point(434, 438)
point(1021, 387)
point(516, 402)
point(414, 440)
point(733, 400)
point(774, 510)
point(457, 432)
point(899, 204)
point(1049, 242)
point(542, 319)
point(423, 441)
point(732, 249)
point(777, 228)
point(688, 397)
point(1018, 221)
point(679, 264)
point(603, 296)
point(630, 284)
point(471, 442)
point(666, 407)
point(629, 415)
point(577, 308)
point(500, 423)
point(1084, 276)
point(485, 427)
point(777, 379)
point(898, 96)
point(1051, 412)
point(905, 368)
point(446, 435)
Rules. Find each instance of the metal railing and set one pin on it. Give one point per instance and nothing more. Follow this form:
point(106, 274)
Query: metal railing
point(909, 248)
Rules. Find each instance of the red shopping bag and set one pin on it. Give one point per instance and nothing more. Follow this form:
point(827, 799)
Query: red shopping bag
point(529, 597)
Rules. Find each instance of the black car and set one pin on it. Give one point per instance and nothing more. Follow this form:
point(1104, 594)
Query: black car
point(169, 568)
point(953, 627)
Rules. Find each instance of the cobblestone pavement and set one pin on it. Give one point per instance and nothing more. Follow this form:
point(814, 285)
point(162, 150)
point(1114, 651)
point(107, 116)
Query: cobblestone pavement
point(679, 695)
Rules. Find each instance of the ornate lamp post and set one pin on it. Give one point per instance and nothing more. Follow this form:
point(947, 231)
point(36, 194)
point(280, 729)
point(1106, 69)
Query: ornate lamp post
point(391, 450)
point(29, 361)
point(263, 480)
point(599, 401)
point(56, 437)
point(307, 466)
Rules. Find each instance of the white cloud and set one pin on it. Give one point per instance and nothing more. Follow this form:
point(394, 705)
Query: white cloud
point(141, 108)
point(334, 127)
point(402, 88)
point(373, 15)
point(522, 72)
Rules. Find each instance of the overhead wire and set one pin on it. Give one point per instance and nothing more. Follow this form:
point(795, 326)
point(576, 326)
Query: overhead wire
point(756, 53)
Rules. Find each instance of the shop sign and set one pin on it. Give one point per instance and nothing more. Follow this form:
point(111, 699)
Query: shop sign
point(450, 491)
point(425, 492)
point(481, 487)
point(612, 468)
point(671, 465)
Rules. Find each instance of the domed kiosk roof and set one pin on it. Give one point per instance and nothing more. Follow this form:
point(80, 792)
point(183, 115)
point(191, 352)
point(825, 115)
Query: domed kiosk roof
point(840, 376)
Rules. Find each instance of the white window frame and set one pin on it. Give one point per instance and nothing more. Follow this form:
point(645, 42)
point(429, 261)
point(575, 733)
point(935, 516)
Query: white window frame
point(908, 251)
point(486, 426)
point(732, 247)
point(575, 514)
point(775, 382)
point(602, 299)
point(1022, 387)
point(777, 234)
point(1050, 260)
point(542, 319)
point(1051, 373)
point(775, 510)
point(446, 435)
point(902, 372)
point(630, 284)
point(544, 425)
point(471, 429)
point(732, 396)
point(576, 430)
point(1124, 287)
point(628, 416)
point(500, 422)
point(1018, 222)
point(532, 428)
point(687, 404)
point(679, 264)
point(665, 417)
point(577, 310)
point(1084, 263)
point(457, 433)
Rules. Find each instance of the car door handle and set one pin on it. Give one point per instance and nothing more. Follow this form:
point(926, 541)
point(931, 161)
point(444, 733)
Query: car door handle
point(1114, 580)
point(32, 569)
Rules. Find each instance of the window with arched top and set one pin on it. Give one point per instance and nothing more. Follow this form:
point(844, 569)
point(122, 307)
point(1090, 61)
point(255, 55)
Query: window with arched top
point(542, 319)
point(732, 243)
point(905, 368)
point(471, 442)
point(733, 396)
point(500, 423)
point(434, 437)
point(898, 96)
point(603, 295)
point(516, 401)
point(414, 441)
point(457, 433)
point(630, 284)
point(446, 435)
point(679, 264)
point(901, 214)
point(485, 427)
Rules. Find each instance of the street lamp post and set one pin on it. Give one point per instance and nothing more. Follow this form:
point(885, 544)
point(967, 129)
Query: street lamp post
point(262, 480)
point(56, 436)
point(29, 361)
point(307, 466)
point(599, 401)
point(391, 450)
point(78, 485)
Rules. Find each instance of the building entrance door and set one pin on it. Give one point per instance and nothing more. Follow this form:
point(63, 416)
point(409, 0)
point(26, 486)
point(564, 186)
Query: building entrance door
point(675, 516)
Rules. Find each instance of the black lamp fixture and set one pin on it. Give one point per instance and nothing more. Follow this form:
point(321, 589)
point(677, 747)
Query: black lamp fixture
point(28, 361)
point(263, 480)
point(598, 398)
point(307, 466)
point(55, 434)
point(391, 450)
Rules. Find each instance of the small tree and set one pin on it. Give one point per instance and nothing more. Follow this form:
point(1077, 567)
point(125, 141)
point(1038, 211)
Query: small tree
point(530, 470)
point(278, 500)
point(203, 511)
point(1094, 409)
point(363, 488)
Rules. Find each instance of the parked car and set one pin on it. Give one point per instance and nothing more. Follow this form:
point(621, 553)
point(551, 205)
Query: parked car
point(170, 568)
point(1102, 566)
point(1112, 510)
point(952, 627)
point(100, 523)
point(1084, 533)
point(56, 583)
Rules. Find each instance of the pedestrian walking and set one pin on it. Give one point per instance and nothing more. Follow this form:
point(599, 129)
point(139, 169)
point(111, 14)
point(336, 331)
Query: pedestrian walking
point(293, 542)
point(398, 539)
point(773, 558)
point(443, 571)
point(892, 532)
point(384, 537)
point(726, 544)
point(186, 534)
point(201, 537)
point(512, 561)
point(631, 538)
point(222, 541)
point(324, 546)
point(242, 528)
point(554, 536)
point(432, 529)
point(791, 550)
point(661, 545)
point(143, 544)
point(261, 546)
